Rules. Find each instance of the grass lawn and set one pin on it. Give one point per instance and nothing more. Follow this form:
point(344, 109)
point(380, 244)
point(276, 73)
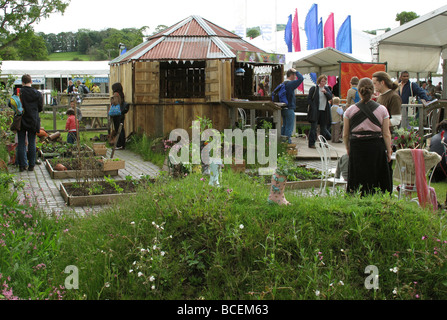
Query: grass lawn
point(68, 56)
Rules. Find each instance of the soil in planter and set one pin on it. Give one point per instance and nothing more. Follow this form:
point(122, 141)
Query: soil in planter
point(99, 187)
point(75, 164)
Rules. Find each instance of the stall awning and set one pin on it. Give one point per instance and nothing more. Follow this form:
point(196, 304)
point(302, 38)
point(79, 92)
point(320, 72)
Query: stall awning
point(56, 69)
point(415, 46)
point(323, 61)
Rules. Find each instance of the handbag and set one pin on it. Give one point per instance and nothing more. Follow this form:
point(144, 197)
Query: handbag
point(115, 110)
point(16, 124)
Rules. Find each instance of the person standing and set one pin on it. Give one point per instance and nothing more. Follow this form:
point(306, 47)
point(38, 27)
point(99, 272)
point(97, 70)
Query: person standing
point(293, 81)
point(388, 96)
point(117, 88)
point(409, 89)
point(367, 139)
point(353, 94)
point(71, 126)
point(32, 102)
point(319, 110)
point(337, 120)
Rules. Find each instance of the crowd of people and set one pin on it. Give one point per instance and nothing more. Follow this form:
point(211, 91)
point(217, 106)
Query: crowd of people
point(365, 124)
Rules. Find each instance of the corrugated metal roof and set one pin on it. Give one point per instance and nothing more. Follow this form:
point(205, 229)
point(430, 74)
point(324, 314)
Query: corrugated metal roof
point(193, 38)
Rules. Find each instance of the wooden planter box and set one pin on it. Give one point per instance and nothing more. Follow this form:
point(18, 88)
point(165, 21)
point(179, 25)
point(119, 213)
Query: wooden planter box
point(100, 149)
point(93, 200)
point(44, 156)
point(110, 164)
point(73, 174)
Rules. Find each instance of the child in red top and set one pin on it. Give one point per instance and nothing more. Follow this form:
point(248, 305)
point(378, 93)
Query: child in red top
point(71, 126)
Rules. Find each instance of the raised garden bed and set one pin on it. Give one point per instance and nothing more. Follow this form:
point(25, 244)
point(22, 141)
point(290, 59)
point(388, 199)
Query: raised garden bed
point(88, 168)
point(50, 151)
point(92, 193)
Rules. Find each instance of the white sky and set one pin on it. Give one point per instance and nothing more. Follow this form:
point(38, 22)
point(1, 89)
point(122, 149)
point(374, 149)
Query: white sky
point(102, 14)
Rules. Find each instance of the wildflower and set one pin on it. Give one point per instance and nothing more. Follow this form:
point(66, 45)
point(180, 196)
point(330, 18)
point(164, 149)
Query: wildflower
point(241, 226)
point(152, 279)
point(132, 223)
point(131, 270)
point(162, 253)
point(154, 247)
point(341, 283)
point(153, 287)
point(395, 291)
point(202, 179)
point(395, 269)
point(107, 285)
point(317, 293)
point(417, 296)
point(140, 274)
point(424, 237)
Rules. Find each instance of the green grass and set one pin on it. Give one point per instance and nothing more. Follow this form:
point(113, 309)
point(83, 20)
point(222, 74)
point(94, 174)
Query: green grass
point(68, 56)
point(182, 239)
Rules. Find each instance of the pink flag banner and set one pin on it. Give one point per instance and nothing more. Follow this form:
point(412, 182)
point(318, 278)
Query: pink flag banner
point(296, 32)
point(329, 41)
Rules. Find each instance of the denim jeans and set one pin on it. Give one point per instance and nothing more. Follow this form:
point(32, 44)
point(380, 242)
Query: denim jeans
point(71, 137)
point(323, 129)
point(288, 119)
point(21, 148)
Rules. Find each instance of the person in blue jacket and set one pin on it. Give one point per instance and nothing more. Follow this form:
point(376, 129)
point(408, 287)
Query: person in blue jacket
point(409, 89)
point(293, 81)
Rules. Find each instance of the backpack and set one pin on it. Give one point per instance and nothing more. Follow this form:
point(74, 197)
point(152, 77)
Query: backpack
point(280, 94)
point(357, 96)
point(16, 104)
point(85, 89)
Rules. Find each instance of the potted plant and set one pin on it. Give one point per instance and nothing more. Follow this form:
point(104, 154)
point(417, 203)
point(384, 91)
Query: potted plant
point(284, 167)
point(406, 139)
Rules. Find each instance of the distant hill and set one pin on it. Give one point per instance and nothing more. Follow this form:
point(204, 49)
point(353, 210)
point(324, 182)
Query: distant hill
point(69, 56)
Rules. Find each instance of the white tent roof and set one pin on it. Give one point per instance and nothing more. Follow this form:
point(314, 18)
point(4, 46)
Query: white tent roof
point(415, 46)
point(322, 61)
point(55, 69)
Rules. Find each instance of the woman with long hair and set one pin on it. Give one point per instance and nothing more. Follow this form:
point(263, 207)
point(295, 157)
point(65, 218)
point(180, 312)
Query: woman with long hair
point(367, 139)
point(117, 89)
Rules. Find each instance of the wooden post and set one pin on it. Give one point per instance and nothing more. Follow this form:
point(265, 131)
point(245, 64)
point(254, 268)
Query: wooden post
point(54, 118)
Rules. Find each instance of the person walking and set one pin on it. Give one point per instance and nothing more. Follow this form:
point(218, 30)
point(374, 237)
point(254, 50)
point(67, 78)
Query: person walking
point(293, 81)
point(367, 139)
point(117, 88)
point(32, 102)
point(319, 110)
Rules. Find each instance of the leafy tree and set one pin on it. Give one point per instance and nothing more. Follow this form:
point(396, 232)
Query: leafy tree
point(19, 16)
point(253, 32)
point(32, 48)
point(159, 29)
point(405, 16)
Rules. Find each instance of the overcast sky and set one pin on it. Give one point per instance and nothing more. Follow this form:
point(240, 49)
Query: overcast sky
point(102, 14)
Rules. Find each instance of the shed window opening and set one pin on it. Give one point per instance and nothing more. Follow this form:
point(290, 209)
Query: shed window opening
point(180, 80)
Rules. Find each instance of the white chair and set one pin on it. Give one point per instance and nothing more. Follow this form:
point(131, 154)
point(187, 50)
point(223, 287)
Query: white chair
point(405, 171)
point(327, 171)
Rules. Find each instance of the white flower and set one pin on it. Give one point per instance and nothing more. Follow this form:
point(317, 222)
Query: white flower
point(331, 285)
point(134, 263)
point(241, 226)
point(317, 293)
point(163, 253)
point(153, 223)
point(395, 291)
point(132, 223)
point(107, 285)
point(170, 236)
point(143, 250)
point(153, 287)
point(395, 269)
point(154, 247)
point(341, 283)
point(140, 274)
point(152, 279)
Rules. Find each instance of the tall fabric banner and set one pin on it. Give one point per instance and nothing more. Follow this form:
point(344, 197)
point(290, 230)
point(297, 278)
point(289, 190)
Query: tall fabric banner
point(311, 27)
point(320, 34)
point(344, 37)
point(358, 69)
point(288, 36)
point(329, 41)
point(296, 32)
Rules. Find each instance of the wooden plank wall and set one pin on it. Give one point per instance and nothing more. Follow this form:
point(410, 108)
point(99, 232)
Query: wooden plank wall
point(156, 117)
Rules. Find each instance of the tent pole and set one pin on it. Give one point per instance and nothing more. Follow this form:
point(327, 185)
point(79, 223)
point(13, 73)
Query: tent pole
point(444, 79)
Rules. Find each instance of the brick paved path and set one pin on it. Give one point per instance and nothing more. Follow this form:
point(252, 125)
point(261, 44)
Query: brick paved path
point(44, 192)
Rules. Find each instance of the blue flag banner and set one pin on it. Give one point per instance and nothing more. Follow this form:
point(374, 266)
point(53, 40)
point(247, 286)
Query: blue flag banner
point(288, 35)
point(311, 27)
point(320, 34)
point(344, 37)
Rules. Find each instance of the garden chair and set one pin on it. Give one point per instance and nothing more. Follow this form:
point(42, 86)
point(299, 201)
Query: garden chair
point(406, 173)
point(327, 171)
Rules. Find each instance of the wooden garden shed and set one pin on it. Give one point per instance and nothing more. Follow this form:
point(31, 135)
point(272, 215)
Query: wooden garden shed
point(186, 71)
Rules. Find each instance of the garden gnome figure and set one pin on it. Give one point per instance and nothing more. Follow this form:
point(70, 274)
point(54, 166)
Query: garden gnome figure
point(277, 190)
point(215, 170)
